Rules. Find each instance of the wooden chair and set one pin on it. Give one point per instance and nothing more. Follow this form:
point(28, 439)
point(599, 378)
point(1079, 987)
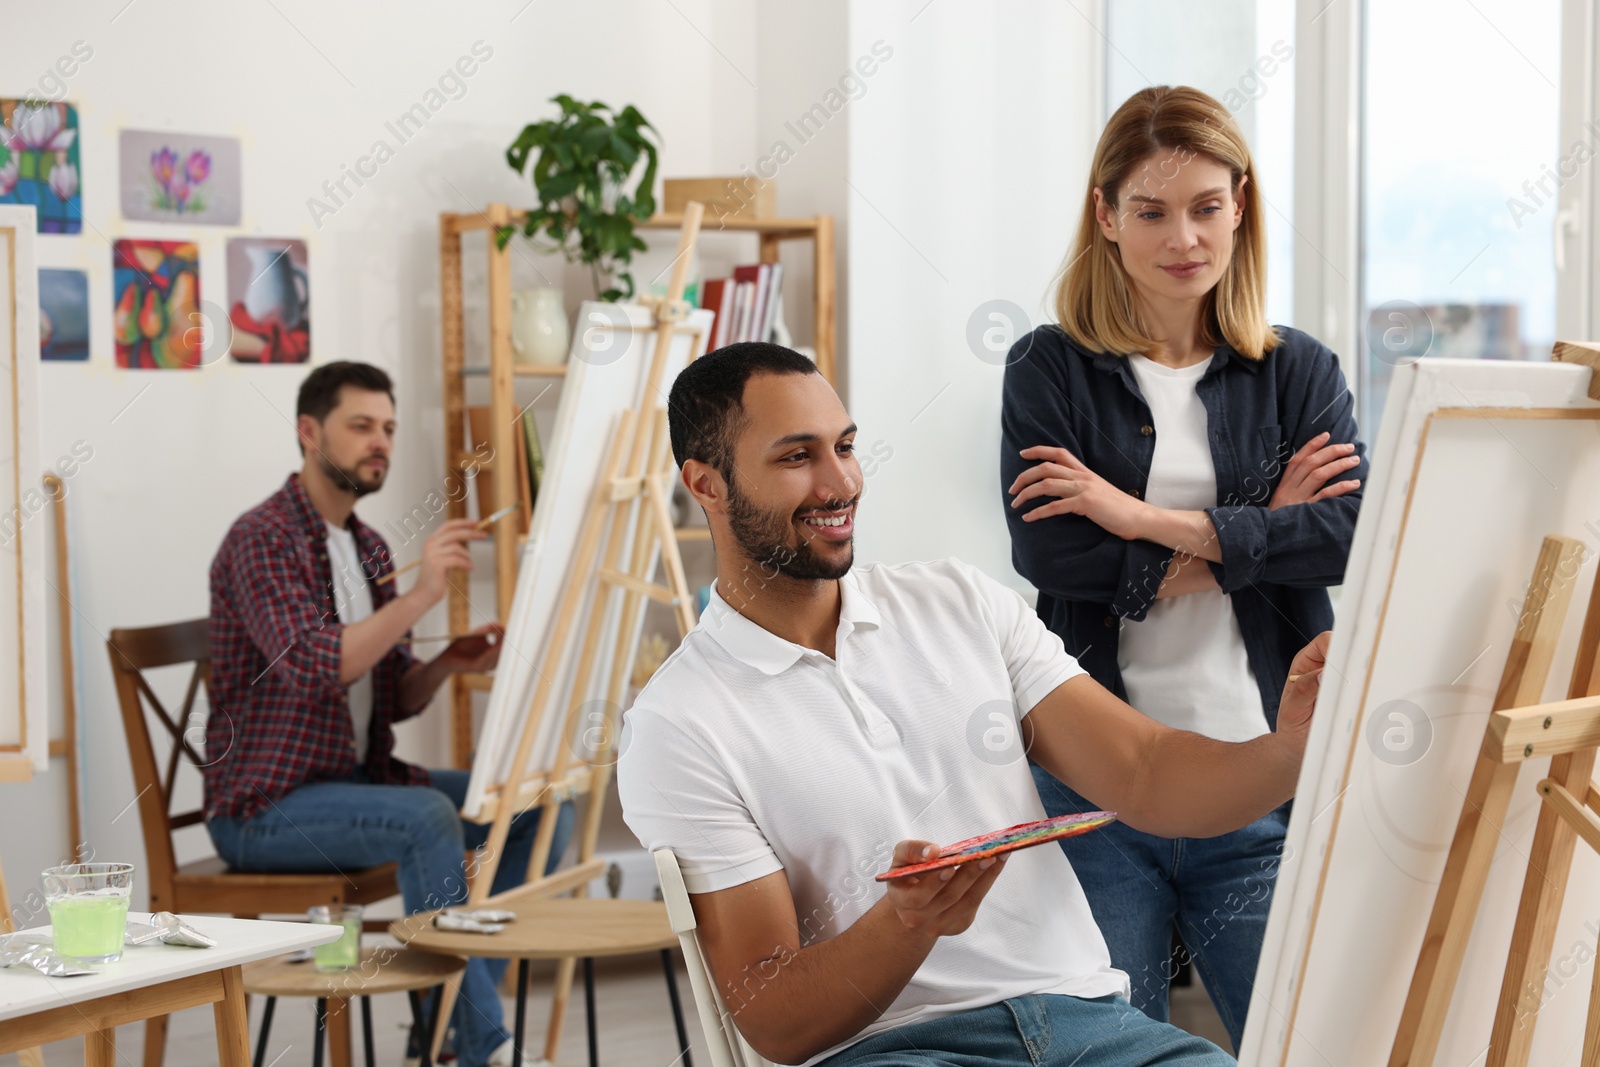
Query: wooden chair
point(206, 886)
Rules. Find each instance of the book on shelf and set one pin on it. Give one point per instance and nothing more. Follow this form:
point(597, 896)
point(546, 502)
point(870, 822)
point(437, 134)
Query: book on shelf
point(755, 277)
point(529, 460)
point(535, 454)
point(717, 298)
point(746, 307)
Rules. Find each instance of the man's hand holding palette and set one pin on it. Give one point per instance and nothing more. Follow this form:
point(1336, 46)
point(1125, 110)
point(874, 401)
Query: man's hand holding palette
point(1023, 835)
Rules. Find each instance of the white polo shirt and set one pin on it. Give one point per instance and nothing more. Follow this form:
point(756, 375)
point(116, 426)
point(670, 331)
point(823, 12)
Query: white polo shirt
point(748, 754)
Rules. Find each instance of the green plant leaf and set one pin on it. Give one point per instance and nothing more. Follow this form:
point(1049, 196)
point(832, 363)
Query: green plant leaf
point(579, 159)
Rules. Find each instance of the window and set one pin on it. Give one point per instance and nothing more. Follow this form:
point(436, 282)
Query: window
point(1459, 121)
point(1242, 53)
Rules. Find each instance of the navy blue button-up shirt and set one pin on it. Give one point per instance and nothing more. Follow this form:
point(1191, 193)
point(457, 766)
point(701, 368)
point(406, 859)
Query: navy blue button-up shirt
point(1276, 565)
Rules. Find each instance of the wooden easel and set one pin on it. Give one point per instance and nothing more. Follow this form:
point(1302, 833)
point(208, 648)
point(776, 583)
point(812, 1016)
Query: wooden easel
point(67, 746)
point(638, 468)
point(1519, 729)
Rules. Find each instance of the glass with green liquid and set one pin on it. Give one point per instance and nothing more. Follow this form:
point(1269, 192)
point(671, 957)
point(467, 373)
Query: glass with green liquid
point(345, 953)
point(89, 909)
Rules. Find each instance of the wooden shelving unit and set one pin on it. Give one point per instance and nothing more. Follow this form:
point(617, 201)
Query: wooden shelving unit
point(502, 373)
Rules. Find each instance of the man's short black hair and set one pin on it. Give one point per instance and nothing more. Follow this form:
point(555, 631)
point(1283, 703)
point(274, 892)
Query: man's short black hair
point(705, 412)
point(319, 393)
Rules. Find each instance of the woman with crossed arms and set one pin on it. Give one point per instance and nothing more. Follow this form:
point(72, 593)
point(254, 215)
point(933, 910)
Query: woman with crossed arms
point(1182, 481)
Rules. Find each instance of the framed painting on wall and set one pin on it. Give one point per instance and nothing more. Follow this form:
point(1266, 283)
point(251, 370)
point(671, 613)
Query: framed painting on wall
point(179, 177)
point(156, 317)
point(269, 300)
point(39, 165)
point(63, 315)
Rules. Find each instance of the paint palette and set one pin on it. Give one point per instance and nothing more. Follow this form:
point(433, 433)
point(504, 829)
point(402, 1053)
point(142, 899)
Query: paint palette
point(1023, 835)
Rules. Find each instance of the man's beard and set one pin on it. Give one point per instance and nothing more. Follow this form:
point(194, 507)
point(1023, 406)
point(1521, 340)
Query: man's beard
point(351, 478)
point(763, 536)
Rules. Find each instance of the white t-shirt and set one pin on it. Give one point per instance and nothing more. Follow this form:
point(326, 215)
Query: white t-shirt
point(352, 598)
point(748, 754)
point(1185, 664)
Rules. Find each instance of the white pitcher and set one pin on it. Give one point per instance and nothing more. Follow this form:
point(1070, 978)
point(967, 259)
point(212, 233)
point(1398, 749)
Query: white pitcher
point(539, 327)
point(276, 285)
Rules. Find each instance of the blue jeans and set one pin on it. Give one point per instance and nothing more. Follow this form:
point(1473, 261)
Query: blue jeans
point(327, 826)
point(1215, 891)
point(1036, 1031)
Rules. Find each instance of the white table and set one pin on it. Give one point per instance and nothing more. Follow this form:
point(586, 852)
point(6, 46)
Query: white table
point(150, 980)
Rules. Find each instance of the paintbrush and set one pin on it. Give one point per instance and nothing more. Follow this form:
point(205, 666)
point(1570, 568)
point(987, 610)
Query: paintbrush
point(482, 525)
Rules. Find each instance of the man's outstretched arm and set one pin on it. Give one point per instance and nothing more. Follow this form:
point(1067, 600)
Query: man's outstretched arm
point(791, 1003)
point(1168, 782)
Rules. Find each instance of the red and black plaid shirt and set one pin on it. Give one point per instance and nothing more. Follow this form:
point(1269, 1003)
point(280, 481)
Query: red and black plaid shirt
point(279, 717)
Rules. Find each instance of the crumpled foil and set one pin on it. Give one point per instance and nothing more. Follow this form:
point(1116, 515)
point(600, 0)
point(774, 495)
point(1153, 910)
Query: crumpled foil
point(169, 930)
point(449, 920)
point(15, 952)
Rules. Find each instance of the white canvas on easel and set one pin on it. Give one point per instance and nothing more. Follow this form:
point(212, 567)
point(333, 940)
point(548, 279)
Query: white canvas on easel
point(607, 373)
point(1475, 464)
point(24, 726)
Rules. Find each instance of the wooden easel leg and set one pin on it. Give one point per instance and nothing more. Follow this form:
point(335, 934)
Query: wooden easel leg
point(449, 993)
point(1544, 888)
point(1483, 813)
point(1591, 1031)
point(566, 967)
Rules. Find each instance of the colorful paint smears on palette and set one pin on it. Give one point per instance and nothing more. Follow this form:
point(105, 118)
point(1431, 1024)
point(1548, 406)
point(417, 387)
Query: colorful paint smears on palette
point(157, 318)
point(39, 162)
point(1023, 835)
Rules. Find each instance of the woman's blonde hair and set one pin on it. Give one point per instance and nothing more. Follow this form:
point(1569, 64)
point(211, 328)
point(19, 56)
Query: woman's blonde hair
point(1094, 299)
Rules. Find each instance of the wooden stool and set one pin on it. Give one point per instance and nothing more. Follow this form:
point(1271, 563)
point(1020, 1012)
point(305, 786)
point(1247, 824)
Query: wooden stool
point(564, 928)
point(382, 970)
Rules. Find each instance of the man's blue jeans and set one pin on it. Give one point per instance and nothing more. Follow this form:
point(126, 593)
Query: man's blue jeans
point(330, 826)
point(1215, 891)
point(1036, 1031)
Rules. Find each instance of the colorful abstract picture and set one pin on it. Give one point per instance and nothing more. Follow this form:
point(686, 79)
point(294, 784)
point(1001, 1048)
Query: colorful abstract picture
point(269, 300)
point(39, 162)
point(157, 319)
point(63, 314)
point(179, 177)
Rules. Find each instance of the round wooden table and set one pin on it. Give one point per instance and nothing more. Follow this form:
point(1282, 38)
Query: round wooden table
point(561, 928)
point(383, 969)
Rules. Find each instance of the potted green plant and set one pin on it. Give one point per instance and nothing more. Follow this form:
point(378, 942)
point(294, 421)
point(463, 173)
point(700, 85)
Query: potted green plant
point(583, 167)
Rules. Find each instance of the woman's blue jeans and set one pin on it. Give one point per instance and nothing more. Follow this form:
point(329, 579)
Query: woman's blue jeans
point(332, 826)
point(1214, 891)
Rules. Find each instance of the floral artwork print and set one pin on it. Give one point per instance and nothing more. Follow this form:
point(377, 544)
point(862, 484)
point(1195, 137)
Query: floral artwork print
point(179, 177)
point(178, 183)
point(39, 163)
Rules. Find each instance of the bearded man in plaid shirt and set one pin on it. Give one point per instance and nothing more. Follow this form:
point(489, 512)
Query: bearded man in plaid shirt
point(310, 670)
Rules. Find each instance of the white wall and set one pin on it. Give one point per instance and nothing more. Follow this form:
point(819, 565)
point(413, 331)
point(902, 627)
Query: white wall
point(307, 87)
point(952, 169)
point(968, 158)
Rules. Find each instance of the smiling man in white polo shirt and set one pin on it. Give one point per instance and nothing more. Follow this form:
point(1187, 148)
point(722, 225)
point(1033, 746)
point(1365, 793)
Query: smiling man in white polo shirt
point(822, 724)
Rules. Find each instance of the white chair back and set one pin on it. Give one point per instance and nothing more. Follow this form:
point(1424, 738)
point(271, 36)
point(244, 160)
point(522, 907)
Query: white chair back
point(728, 1047)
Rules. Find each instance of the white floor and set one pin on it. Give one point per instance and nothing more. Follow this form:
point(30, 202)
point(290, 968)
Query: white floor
point(630, 1003)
